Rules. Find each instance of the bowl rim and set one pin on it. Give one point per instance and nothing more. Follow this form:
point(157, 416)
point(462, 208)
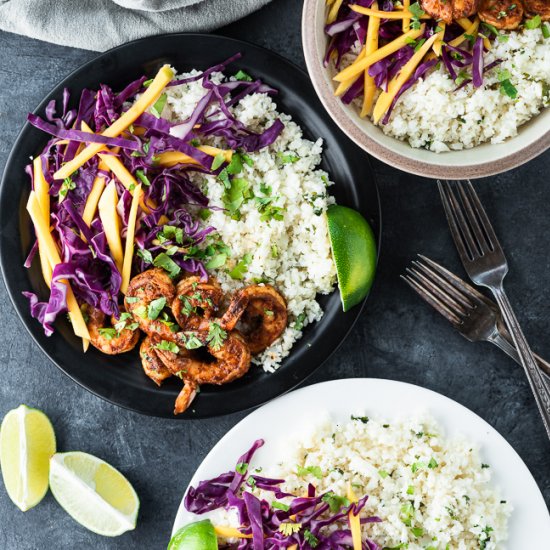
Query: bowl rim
point(339, 114)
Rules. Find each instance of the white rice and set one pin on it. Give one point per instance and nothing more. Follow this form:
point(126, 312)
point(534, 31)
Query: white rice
point(432, 115)
point(292, 254)
point(429, 491)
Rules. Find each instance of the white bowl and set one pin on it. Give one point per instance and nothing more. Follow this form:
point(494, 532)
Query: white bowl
point(484, 160)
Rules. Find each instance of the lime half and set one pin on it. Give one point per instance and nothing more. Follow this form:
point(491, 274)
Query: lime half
point(27, 441)
point(199, 535)
point(354, 252)
point(93, 493)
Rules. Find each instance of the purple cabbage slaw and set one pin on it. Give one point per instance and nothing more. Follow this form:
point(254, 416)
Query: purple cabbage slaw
point(350, 28)
point(263, 520)
point(86, 261)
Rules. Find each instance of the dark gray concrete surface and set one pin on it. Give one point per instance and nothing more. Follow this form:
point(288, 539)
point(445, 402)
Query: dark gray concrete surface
point(397, 336)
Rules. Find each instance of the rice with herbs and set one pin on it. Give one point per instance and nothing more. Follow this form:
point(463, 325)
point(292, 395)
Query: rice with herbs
point(429, 491)
point(279, 233)
point(434, 115)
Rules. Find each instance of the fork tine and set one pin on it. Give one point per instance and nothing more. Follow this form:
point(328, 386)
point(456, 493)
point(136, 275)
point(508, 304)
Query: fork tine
point(482, 216)
point(437, 304)
point(455, 281)
point(459, 230)
point(450, 291)
point(471, 212)
point(459, 307)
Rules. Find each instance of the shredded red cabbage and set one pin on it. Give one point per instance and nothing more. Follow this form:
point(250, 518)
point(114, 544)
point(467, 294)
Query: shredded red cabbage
point(263, 521)
point(169, 192)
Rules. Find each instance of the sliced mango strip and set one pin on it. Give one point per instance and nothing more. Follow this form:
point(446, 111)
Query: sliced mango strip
point(171, 158)
point(471, 30)
point(438, 44)
point(41, 190)
point(358, 67)
point(230, 533)
point(333, 11)
point(98, 186)
point(407, 21)
point(111, 222)
point(43, 232)
point(384, 100)
point(344, 86)
point(354, 522)
point(130, 234)
point(465, 23)
point(371, 45)
point(401, 14)
point(147, 99)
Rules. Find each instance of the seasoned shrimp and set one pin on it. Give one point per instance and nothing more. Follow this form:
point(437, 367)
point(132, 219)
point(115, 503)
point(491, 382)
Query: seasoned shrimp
point(263, 312)
point(538, 7)
point(502, 14)
point(464, 8)
point(150, 285)
point(228, 361)
point(108, 339)
point(439, 9)
point(152, 366)
point(195, 301)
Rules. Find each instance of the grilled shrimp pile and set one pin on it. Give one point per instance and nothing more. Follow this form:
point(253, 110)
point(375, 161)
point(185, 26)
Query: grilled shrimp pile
point(192, 330)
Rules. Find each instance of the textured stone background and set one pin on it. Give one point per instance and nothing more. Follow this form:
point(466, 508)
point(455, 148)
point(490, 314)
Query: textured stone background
point(397, 337)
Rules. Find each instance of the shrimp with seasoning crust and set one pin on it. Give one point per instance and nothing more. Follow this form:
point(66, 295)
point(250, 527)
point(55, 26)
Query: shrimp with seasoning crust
point(153, 284)
point(196, 301)
point(153, 367)
point(538, 7)
point(263, 312)
point(502, 14)
point(228, 360)
point(109, 340)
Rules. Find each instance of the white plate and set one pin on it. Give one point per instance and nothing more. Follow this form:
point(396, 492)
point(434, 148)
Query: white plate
point(529, 525)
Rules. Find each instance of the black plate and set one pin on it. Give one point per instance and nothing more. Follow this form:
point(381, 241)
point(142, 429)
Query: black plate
point(119, 379)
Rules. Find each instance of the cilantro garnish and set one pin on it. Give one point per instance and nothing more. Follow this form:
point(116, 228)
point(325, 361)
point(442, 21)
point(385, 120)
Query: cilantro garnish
point(533, 23)
point(219, 159)
point(216, 336)
point(157, 108)
point(334, 501)
point(363, 419)
point(155, 307)
point(288, 158)
point(164, 261)
point(241, 75)
point(311, 539)
point(241, 268)
point(241, 468)
point(108, 333)
point(315, 471)
point(67, 185)
point(165, 345)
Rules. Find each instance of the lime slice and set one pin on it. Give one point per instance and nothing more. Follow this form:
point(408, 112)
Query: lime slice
point(195, 536)
point(27, 441)
point(354, 252)
point(93, 493)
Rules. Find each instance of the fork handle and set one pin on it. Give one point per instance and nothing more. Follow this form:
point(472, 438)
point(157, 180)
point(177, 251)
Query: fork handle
point(502, 339)
point(539, 387)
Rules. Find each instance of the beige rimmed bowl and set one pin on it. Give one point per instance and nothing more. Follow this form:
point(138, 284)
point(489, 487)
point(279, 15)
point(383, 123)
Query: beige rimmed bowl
point(484, 160)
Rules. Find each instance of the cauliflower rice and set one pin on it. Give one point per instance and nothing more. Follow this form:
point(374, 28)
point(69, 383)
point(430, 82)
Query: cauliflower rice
point(293, 253)
point(432, 115)
point(430, 492)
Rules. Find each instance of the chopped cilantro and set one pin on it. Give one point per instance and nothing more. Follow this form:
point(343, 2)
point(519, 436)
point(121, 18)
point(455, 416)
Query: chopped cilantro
point(145, 255)
point(164, 261)
point(216, 336)
point(241, 468)
point(288, 158)
point(363, 419)
point(155, 307)
point(299, 323)
point(236, 165)
point(280, 506)
point(410, 490)
point(108, 333)
point(311, 539)
point(417, 466)
point(157, 108)
point(383, 474)
point(315, 471)
point(216, 261)
point(506, 86)
point(165, 345)
point(545, 30)
point(247, 159)
point(533, 23)
point(483, 466)
point(406, 513)
point(147, 83)
point(417, 531)
point(241, 268)
point(288, 528)
point(123, 323)
point(419, 44)
point(219, 159)
point(195, 142)
point(241, 75)
point(67, 185)
point(190, 341)
point(335, 502)
point(432, 464)
point(204, 214)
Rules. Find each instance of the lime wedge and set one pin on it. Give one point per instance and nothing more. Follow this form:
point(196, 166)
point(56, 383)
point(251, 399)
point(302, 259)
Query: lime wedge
point(27, 441)
point(354, 252)
point(195, 536)
point(93, 493)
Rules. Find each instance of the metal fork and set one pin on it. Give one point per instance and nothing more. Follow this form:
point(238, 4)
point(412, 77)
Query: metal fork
point(485, 263)
point(471, 313)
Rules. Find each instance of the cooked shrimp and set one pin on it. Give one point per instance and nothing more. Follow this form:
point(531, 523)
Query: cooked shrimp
point(185, 396)
point(195, 301)
point(464, 8)
point(538, 7)
point(152, 366)
point(439, 9)
point(502, 14)
point(263, 312)
point(108, 339)
point(228, 361)
point(150, 285)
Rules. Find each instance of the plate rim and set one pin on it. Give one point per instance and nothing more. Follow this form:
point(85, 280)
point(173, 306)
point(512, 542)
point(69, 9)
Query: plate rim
point(4, 262)
point(354, 382)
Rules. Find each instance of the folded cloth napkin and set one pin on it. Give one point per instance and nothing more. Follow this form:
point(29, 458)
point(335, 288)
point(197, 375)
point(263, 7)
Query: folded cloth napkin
point(102, 24)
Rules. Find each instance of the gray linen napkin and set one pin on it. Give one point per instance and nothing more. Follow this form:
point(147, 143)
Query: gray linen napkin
point(102, 24)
